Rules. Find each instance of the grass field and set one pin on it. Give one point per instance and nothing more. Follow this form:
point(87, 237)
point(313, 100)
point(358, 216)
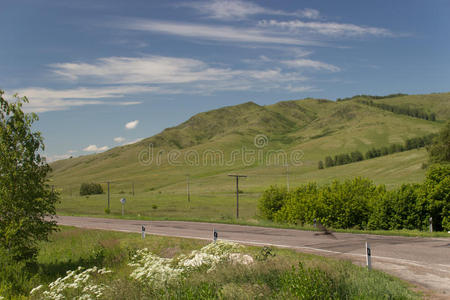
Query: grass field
point(214, 197)
point(270, 276)
point(311, 128)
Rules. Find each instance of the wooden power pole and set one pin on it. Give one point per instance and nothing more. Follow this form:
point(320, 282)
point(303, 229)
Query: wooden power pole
point(237, 192)
point(187, 189)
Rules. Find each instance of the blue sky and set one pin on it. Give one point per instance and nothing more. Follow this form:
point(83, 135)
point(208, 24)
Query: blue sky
point(104, 73)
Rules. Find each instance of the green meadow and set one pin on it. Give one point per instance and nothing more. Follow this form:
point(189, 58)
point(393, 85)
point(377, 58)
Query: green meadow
point(209, 146)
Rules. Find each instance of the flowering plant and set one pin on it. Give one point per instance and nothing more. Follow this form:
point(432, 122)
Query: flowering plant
point(77, 284)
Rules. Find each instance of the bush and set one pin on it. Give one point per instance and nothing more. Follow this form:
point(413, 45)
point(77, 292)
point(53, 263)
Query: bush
point(360, 204)
point(320, 165)
point(301, 207)
point(15, 276)
point(272, 200)
point(434, 199)
point(398, 209)
point(439, 150)
point(90, 189)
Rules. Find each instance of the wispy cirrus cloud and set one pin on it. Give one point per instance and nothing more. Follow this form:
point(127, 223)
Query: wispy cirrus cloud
point(313, 64)
point(46, 99)
point(140, 70)
point(214, 32)
point(300, 89)
point(238, 10)
point(172, 71)
point(112, 79)
point(327, 28)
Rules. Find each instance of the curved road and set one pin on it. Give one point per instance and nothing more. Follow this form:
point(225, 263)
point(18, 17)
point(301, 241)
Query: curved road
point(422, 261)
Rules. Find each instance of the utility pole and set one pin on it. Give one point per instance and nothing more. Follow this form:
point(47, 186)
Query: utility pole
point(108, 194)
point(237, 193)
point(187, 189)
point(287, 177)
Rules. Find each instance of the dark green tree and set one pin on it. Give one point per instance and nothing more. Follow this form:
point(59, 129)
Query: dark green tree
point(27, 205)
point(329, 162)
point(320, 164)
point(439, 150)
point(90, 189)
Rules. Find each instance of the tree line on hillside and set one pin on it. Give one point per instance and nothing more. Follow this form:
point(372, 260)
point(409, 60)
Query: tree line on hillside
point(360, 204)
point(372, 97)
point(402, 110)
point(355, 156)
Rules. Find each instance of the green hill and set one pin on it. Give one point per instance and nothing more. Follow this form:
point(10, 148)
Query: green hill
point(212, 144)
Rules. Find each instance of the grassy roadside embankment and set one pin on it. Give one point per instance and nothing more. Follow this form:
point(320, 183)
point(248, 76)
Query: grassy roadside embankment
point(274, 273)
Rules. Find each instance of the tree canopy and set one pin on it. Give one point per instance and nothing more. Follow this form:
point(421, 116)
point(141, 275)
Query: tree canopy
point(439, 151)
point(27, 205)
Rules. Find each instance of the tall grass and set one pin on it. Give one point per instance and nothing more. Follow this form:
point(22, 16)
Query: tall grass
point(284, 274)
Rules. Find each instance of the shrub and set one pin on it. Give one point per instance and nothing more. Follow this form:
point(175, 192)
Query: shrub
point(434, 199)
point(320, 164)
point(90, 189)
point(15, 276)
point(359, 203)
point(439, 150)
point(301, 206)
point(272, 200)
point(397, 209)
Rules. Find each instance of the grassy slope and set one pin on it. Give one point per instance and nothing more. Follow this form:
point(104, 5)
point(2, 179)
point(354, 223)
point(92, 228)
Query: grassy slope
point(73, 247)
point(316, 127)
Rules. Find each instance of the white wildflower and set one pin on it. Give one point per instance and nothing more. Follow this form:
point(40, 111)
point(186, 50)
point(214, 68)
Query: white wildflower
point(34, 290)
point(156, 270)
point(239, 258)
point(76, 282)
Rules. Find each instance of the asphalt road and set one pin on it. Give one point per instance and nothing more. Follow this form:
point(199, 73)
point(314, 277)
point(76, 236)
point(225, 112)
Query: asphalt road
point(422, 261)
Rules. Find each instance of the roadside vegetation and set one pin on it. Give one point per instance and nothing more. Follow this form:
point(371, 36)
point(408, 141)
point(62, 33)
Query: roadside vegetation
point(113, 265)
point(360, 204)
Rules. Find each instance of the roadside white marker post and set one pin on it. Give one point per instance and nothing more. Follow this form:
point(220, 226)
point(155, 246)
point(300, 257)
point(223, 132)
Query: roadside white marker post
point(368, 256)
point(431, 224)
point(215, 235)
point(123, 200)
point(143, 231)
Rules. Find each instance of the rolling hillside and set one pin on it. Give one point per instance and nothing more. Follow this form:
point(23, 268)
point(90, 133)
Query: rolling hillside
point(212, 144)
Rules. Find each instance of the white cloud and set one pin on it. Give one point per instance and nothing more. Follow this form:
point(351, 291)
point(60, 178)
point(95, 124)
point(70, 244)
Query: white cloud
point(276, 75)
point(328, 28)
point(53, 158)
point(214, 33)
point(177, 75)
point(132, 124)
point(133, 141)
point(94, 148)
point(237, 9)
point(128, 103)
point(308, 63)
point(300, 89)
point(139, 70)
point(43, 99)
point(119, 139)
point(111, 79)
